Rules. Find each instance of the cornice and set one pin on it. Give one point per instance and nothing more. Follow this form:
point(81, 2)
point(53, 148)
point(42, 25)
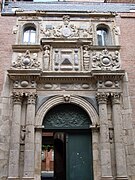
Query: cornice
point(23, 48)
point(98, 74)
point(58, 13)
point(34, 74)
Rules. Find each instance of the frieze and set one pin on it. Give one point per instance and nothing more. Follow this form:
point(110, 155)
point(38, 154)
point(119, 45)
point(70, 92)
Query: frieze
point(26, 61)
point(24, 84)
point(108, 84)
point(66, 86)
point(66, 30)
point(105, 60)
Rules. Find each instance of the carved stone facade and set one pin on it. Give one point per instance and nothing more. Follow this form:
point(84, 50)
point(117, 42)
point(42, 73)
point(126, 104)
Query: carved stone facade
point(67, 66)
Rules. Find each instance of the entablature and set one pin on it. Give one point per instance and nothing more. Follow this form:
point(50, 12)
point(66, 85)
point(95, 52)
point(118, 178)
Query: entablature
point(95, 80)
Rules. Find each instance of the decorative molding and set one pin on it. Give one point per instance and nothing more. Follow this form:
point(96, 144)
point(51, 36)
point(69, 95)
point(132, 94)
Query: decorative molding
point(24, 84)
point(108, 84)
point(53, 101)
point(31, 97)
point(105, 60)
point(66, 86)
point(26, 61)
point(102, 97)
point(66, 98)
point(115, 97)
point(66, 30)
point(17, 97)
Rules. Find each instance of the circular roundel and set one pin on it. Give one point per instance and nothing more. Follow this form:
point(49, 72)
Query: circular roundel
point(106, 61)
point(66, 32)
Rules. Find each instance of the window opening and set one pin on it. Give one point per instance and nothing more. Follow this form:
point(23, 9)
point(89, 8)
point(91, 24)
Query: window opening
point(102, 37)
point(29, 35)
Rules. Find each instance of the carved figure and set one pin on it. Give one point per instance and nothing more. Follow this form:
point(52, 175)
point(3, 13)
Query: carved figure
point(46, 57)
point(23, 133)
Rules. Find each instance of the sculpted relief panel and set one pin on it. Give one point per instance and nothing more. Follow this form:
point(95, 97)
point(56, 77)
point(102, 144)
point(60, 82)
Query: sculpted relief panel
point(26, 61)
point(66, 29)
point(66, 44)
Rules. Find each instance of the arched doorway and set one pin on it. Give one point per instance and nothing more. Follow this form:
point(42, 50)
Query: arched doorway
point(67, 135)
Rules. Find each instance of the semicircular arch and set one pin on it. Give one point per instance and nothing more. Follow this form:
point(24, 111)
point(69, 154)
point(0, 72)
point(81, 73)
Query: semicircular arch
point(50, 103)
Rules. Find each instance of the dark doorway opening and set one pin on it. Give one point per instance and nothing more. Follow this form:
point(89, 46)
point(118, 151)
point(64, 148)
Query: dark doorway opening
point(53, 156)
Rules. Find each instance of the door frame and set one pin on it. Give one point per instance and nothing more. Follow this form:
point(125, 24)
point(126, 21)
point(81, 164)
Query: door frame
point(84, 104)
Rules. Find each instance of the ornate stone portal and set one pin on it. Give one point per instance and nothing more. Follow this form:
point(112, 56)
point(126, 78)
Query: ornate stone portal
point(67, 67)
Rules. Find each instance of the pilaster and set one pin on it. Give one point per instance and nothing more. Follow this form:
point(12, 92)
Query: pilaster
point(29, 139)
point(13, 173)
point(106, 169)
point(121, 169)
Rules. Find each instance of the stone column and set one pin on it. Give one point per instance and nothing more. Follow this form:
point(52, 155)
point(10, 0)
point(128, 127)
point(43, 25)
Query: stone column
point(29, 151)
point(96, 155)
point(15, 138)
point(38, 151)
point(121, 169)
point(106, 168)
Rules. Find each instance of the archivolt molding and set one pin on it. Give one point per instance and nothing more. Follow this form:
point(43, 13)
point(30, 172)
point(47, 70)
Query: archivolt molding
point(46, 106)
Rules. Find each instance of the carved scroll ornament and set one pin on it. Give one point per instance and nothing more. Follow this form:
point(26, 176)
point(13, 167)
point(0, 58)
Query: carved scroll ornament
point(26, 61)
point(105, 60)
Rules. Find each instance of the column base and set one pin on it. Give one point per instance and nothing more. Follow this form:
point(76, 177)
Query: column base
point(122, 178)
point(107, 178)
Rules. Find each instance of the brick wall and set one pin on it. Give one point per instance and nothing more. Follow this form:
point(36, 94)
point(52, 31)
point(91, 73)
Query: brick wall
point(127, 41)
point(6, 41)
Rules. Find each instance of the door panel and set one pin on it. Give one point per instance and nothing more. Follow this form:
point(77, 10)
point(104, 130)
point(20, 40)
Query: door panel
point(79, 156)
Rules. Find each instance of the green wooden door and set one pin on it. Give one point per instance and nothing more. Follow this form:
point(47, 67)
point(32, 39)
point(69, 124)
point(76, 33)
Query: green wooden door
point(78, 156)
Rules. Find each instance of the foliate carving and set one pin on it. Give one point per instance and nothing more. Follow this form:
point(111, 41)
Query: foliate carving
point(105, 60)
point(26, 61)
point(66, 117)
point(31, 98)
point(17, 97)
point(46, 57)
point(102, 97)
point(86, 57)
point(66, 30)
point(115, 97)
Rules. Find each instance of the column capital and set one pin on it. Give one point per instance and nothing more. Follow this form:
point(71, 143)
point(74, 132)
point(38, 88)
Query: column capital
point(115, 97)
point(102, 97)
point(17, 97)
point(31, 97)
